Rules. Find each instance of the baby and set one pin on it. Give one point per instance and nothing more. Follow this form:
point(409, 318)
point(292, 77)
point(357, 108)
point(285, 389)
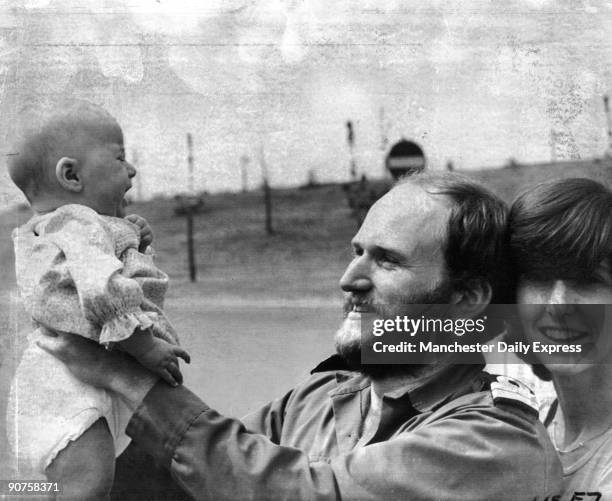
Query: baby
point(82, 269)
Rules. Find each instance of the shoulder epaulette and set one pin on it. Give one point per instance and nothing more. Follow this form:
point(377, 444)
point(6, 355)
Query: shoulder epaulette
point(505, 389)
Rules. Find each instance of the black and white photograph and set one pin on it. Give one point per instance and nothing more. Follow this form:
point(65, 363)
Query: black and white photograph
point(296, 249)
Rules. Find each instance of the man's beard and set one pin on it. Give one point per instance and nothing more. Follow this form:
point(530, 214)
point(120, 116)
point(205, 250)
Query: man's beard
point(348, 336)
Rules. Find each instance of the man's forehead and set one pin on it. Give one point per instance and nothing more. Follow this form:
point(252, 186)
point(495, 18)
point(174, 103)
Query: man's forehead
point(415, 197)
point(405, 219)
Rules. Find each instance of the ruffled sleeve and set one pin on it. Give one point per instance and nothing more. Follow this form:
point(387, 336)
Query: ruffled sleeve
point(66, 261)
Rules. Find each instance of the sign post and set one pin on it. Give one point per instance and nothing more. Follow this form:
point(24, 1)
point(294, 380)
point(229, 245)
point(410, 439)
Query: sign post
point(189, 210)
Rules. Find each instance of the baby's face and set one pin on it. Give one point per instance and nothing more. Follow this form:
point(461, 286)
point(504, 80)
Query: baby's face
point(105, 174)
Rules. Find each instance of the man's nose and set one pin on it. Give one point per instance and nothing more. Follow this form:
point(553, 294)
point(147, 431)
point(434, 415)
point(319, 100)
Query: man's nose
point(356, 277)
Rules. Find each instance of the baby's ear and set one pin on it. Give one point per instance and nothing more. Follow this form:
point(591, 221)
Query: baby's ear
point(67, 174)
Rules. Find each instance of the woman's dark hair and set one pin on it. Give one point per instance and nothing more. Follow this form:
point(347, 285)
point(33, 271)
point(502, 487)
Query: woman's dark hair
point(561, 230)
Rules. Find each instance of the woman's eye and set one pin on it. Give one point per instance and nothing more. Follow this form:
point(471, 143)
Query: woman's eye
point(602, 279)
point(589, 286)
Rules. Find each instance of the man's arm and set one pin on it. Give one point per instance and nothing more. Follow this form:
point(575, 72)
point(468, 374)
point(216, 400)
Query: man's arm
point(468, 455)
point(474, 453)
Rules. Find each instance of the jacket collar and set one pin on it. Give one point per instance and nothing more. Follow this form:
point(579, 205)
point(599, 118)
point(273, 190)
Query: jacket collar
point(423, 394)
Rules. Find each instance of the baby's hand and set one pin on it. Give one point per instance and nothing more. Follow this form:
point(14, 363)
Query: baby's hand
point(146, 234)
point(162, 359)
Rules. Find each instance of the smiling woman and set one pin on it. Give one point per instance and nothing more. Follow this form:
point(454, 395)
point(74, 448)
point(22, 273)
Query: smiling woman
point(561, 241)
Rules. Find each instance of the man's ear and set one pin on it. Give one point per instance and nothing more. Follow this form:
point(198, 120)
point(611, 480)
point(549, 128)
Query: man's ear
point(472, 299)
point(67, 174)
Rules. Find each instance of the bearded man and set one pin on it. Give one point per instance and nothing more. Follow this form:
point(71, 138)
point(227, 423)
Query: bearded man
point(357, 431)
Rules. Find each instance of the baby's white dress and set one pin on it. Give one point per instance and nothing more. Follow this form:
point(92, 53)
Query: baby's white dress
point(77, 272)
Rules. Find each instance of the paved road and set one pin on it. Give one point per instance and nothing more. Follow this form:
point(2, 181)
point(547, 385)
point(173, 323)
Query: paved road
point(243, 356)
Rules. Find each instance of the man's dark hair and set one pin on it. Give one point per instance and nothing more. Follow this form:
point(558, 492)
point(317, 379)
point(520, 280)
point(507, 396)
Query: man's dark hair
point(475, 249)
point(560, 230)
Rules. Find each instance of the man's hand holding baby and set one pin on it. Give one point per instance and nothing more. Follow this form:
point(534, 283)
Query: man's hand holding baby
point(92, 364)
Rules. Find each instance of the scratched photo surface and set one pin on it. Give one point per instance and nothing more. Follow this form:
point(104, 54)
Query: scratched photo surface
point(219, 98)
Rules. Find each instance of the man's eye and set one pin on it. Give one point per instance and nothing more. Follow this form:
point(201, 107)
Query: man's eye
point(386, 260)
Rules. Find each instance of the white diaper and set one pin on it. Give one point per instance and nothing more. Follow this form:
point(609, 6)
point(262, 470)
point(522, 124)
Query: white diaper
point(48, 407)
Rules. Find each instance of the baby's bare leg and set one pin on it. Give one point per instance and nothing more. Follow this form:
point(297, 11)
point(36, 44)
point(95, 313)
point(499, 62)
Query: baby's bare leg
point(86, 467)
